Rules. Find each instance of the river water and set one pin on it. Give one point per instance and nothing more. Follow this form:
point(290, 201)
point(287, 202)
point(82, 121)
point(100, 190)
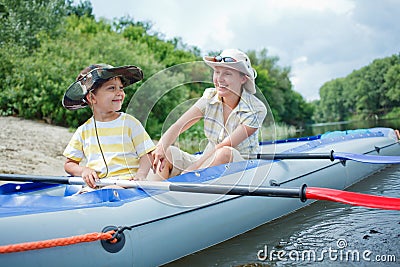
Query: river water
point(322, 234)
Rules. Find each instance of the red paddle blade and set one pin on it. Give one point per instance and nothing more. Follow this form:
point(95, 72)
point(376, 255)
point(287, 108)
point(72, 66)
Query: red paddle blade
point(355, 199)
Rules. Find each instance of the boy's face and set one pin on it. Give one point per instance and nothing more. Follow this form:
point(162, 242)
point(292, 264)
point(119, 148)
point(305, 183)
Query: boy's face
point(109, 96)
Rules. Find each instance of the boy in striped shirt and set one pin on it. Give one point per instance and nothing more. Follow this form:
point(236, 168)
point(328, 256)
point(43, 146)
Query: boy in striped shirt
point(114, 144)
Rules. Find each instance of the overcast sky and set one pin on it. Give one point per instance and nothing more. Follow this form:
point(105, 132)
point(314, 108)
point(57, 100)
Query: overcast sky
point(319, 39)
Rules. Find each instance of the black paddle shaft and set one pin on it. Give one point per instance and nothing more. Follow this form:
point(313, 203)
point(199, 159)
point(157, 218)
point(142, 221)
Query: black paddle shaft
point(329, 156)
point(182, 187)
point(241, 190)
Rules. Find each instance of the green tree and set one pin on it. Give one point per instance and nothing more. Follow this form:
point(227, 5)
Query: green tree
point(392, 82)
point(369, 92)
point(83, 9)
point(22, 20)
point(331, 104)
point(38, 84)
point(45, 44)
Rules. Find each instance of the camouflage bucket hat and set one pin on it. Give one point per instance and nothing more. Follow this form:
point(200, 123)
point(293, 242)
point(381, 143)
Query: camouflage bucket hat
point(74, 97)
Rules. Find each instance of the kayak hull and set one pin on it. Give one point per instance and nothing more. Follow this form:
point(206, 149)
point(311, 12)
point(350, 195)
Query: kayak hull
point(165, 226)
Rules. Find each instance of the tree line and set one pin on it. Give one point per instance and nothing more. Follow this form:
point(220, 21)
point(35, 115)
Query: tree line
point(45, 43)
point(368, 93)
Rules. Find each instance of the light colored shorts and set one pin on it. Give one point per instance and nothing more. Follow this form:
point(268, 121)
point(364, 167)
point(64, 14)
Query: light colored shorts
point(181, 160)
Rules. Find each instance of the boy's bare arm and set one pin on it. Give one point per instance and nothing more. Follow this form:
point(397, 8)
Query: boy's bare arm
point(88, 175)
point(145, 163)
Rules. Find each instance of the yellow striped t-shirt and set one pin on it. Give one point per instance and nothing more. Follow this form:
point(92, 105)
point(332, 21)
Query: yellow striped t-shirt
point(123, 141)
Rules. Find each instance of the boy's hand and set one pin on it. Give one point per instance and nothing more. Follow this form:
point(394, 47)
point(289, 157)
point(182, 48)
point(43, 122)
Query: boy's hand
point(138, 178)
point(159, 156)
point(90, 177)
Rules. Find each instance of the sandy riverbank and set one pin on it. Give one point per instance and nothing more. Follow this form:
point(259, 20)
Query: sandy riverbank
point(31, 147)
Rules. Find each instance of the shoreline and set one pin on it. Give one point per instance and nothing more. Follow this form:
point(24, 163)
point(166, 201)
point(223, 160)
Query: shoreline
point(32, 147)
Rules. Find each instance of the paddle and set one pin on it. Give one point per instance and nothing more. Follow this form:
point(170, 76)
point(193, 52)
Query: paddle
point(332, 156)
point(303, 193)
